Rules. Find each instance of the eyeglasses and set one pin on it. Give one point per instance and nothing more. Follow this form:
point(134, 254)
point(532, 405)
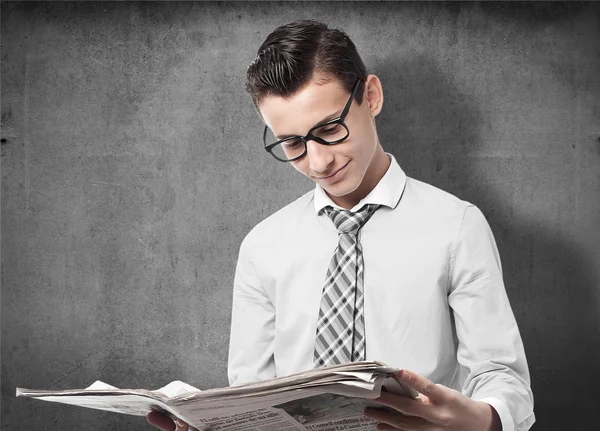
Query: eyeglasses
point(330, 132)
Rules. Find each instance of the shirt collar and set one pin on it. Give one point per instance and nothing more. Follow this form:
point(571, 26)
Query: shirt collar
point(388, 190)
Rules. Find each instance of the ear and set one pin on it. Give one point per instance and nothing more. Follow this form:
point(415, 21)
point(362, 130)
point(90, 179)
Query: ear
point(373, 95)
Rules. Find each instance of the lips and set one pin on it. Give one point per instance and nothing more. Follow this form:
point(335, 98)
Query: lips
point(334, 173)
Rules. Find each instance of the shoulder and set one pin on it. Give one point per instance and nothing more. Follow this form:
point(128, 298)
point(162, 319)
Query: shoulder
point(280, 224)
point(426, 198)
point(424, 206)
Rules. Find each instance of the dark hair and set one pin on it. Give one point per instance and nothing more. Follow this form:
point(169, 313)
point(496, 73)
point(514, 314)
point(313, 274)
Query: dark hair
point(291, 54)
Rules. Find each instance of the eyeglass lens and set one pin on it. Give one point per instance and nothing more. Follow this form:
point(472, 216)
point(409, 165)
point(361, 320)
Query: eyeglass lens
point(295, 147)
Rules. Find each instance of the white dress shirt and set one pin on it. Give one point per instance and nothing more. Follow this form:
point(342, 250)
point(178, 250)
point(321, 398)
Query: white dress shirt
point(434, 303)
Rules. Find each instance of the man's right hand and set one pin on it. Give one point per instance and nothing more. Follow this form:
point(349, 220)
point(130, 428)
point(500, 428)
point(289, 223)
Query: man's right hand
point(165, 423)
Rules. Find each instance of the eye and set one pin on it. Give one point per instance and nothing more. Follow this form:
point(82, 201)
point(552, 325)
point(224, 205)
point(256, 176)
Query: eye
point(327, 130)
point(291, 144)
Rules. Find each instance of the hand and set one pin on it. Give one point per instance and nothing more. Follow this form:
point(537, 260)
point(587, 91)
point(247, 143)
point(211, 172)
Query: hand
point(165, 423)
point(437, 408)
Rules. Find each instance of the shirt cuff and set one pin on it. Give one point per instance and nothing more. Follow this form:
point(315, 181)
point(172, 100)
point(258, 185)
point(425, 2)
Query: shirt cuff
point(503, 412)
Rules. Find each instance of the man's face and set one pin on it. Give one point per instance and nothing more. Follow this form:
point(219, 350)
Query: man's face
point(339, 169)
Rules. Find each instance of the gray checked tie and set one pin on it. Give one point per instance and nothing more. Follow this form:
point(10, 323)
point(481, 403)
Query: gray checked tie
point(341, 325)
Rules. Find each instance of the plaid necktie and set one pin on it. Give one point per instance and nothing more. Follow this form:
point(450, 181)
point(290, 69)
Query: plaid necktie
point(341, 324)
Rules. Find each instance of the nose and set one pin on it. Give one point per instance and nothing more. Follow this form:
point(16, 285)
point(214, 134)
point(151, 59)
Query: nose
point(319, 156)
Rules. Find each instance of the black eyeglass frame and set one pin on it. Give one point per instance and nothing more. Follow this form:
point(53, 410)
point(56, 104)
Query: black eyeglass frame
point(309, 136)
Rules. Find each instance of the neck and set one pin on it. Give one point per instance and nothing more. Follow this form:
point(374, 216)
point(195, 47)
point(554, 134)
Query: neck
point(377, 169)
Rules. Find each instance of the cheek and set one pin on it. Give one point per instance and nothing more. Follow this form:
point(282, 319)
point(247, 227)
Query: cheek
point(368, 139)
point(362, 134)
point(362, 145)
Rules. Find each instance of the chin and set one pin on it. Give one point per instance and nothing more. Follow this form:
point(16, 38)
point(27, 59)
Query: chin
point(340, 189)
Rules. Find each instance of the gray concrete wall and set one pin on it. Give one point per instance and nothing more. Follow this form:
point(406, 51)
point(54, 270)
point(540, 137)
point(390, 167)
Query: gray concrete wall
point(132, 168)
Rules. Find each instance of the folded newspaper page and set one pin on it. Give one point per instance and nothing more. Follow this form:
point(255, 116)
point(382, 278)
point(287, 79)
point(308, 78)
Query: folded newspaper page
point(324, 399)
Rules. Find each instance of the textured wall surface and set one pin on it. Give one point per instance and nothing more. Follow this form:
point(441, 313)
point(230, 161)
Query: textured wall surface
point(132, 168)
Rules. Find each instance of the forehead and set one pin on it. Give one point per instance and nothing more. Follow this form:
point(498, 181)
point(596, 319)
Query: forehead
point(306, 108)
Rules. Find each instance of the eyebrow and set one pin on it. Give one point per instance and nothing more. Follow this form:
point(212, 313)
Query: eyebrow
point(324, 120)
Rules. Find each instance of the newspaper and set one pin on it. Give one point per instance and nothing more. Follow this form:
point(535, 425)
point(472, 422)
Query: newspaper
point(325, 399)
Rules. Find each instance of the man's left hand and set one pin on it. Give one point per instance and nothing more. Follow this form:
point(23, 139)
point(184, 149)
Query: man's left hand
point(437, 408)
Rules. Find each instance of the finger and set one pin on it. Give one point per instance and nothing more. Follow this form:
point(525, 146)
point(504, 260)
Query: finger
point(396, 420)
point(421, 384)
point(181, 425)
point(160, 421)
point(407, 406)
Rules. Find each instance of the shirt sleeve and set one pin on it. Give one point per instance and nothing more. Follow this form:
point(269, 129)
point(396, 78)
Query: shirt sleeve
point(490, 349)
point(252, 325)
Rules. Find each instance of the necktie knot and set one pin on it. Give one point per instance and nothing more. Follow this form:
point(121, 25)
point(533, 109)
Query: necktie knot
point(348, 222)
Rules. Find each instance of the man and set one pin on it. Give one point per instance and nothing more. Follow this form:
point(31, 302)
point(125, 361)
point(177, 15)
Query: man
point(415, 278)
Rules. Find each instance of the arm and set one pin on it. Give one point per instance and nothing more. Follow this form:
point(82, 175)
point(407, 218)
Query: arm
point(496, 394)
point(490, 348)
point(252, 324)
